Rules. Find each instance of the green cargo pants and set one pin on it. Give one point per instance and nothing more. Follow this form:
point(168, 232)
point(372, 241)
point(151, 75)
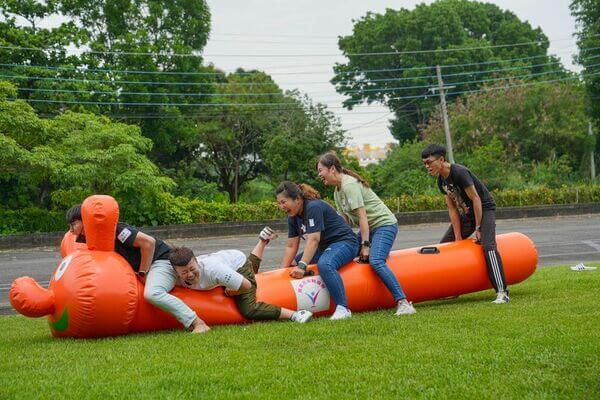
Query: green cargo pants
point(246, 302)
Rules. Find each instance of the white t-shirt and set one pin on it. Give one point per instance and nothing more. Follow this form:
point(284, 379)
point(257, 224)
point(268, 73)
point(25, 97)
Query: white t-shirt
point(220, 269)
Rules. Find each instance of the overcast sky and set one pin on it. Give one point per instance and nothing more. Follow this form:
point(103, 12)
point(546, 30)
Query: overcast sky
point(284, 28)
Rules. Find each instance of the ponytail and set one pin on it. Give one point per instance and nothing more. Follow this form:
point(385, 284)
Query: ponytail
point(329, 160)
point(356, 175)
point(294, 191)
point(309, 192)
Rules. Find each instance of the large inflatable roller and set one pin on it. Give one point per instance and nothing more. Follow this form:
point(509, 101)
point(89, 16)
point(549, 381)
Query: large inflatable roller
point(95, 293)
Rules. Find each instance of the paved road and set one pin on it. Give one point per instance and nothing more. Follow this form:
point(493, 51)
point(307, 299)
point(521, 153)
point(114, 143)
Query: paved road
point(560, 240)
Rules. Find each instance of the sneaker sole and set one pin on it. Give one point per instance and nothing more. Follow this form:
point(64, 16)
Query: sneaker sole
point(340, 318)
point(406, 313)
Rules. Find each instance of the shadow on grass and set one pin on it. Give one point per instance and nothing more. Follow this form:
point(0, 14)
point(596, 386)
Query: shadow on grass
point(475, 298)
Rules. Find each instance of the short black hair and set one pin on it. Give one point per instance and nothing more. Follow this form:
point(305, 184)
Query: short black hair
point(180, 256)
point(433, 150)
point(74, 214)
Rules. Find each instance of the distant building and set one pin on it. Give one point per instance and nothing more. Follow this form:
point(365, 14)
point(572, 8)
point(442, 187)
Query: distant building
point(368, 154)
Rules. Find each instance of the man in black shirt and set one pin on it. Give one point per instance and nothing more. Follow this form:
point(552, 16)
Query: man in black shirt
point(472, 210)
point(149, 258)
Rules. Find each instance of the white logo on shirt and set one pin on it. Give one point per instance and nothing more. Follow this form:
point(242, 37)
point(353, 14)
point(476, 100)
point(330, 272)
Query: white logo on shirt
point(125, 233)
point(311, 222)
point(303, 228)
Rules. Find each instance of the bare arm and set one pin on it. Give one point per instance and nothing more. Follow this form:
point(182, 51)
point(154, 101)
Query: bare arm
point(454, 217)
point(363, 225)
point(312, 243)
point(477, 208)
point(291, 248)
point(146, 244)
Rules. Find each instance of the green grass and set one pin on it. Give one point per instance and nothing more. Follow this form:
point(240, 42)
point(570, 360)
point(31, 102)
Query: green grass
point(544, 344)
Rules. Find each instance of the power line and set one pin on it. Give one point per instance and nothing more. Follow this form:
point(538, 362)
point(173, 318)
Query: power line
point(335, 36)
point(368, 54)
point(369, 122)
point(288, 103)
point(278, 35)
point(219, 73)
point(275, 94)
point(504, 87)
point(154, 83)
point(84, 70)
point(404, 106)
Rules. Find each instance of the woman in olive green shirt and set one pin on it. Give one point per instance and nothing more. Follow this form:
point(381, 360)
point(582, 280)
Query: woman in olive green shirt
point(361, 207)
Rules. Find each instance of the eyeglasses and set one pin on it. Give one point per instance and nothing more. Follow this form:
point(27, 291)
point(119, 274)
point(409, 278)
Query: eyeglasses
point(428, 162)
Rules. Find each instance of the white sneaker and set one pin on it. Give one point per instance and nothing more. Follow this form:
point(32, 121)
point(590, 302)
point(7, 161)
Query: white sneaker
point(405, 308)
point(582, 267)
point(341, 312)
point(301, 316)
point(501, 298)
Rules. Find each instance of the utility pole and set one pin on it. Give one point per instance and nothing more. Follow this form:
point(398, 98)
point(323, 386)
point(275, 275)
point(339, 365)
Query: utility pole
point(592, 164)
point(441, 88)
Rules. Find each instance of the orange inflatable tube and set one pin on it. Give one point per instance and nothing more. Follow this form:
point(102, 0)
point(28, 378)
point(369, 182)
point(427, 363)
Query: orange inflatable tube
point(95, 293)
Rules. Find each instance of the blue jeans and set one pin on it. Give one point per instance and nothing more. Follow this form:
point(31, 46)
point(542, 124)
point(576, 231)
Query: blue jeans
point(329, 261)
point(382, 239)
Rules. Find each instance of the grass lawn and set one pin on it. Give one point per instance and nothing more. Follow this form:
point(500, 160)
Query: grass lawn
point(544, 344)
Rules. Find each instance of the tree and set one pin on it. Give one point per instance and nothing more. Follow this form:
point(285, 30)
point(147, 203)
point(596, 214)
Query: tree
point(533, 125)
point(31, 54)
point(24, 180)
point(587, 15)
point(230, 141)
point(143, 52)
point(162, 40)
point(303, 132)
point(95, 155)
point(442, 25)
point(55, 163)
point(402, 172)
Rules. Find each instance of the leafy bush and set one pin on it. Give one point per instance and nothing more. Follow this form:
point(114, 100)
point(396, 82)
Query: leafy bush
point(170, 210)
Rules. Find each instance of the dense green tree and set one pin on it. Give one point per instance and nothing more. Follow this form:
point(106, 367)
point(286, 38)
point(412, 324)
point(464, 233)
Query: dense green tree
point(24, 179)
point(140, 59)
point(534, 125)
point(31, 53)
point(587, 15)
point(442, 25)
point(303, 132)
point(121, 34)
point(230, 139)
point(54, 163)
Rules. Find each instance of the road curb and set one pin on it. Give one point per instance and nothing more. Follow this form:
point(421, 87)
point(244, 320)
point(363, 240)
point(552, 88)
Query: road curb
point(249, 227)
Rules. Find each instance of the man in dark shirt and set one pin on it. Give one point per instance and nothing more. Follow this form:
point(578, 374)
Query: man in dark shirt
point(149, 258)
point(472, 210)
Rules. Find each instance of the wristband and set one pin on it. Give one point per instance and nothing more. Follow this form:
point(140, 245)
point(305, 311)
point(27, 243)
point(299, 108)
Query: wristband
point(142, 273)
point(302, 265)
point(366, 243)
point(478, 228)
